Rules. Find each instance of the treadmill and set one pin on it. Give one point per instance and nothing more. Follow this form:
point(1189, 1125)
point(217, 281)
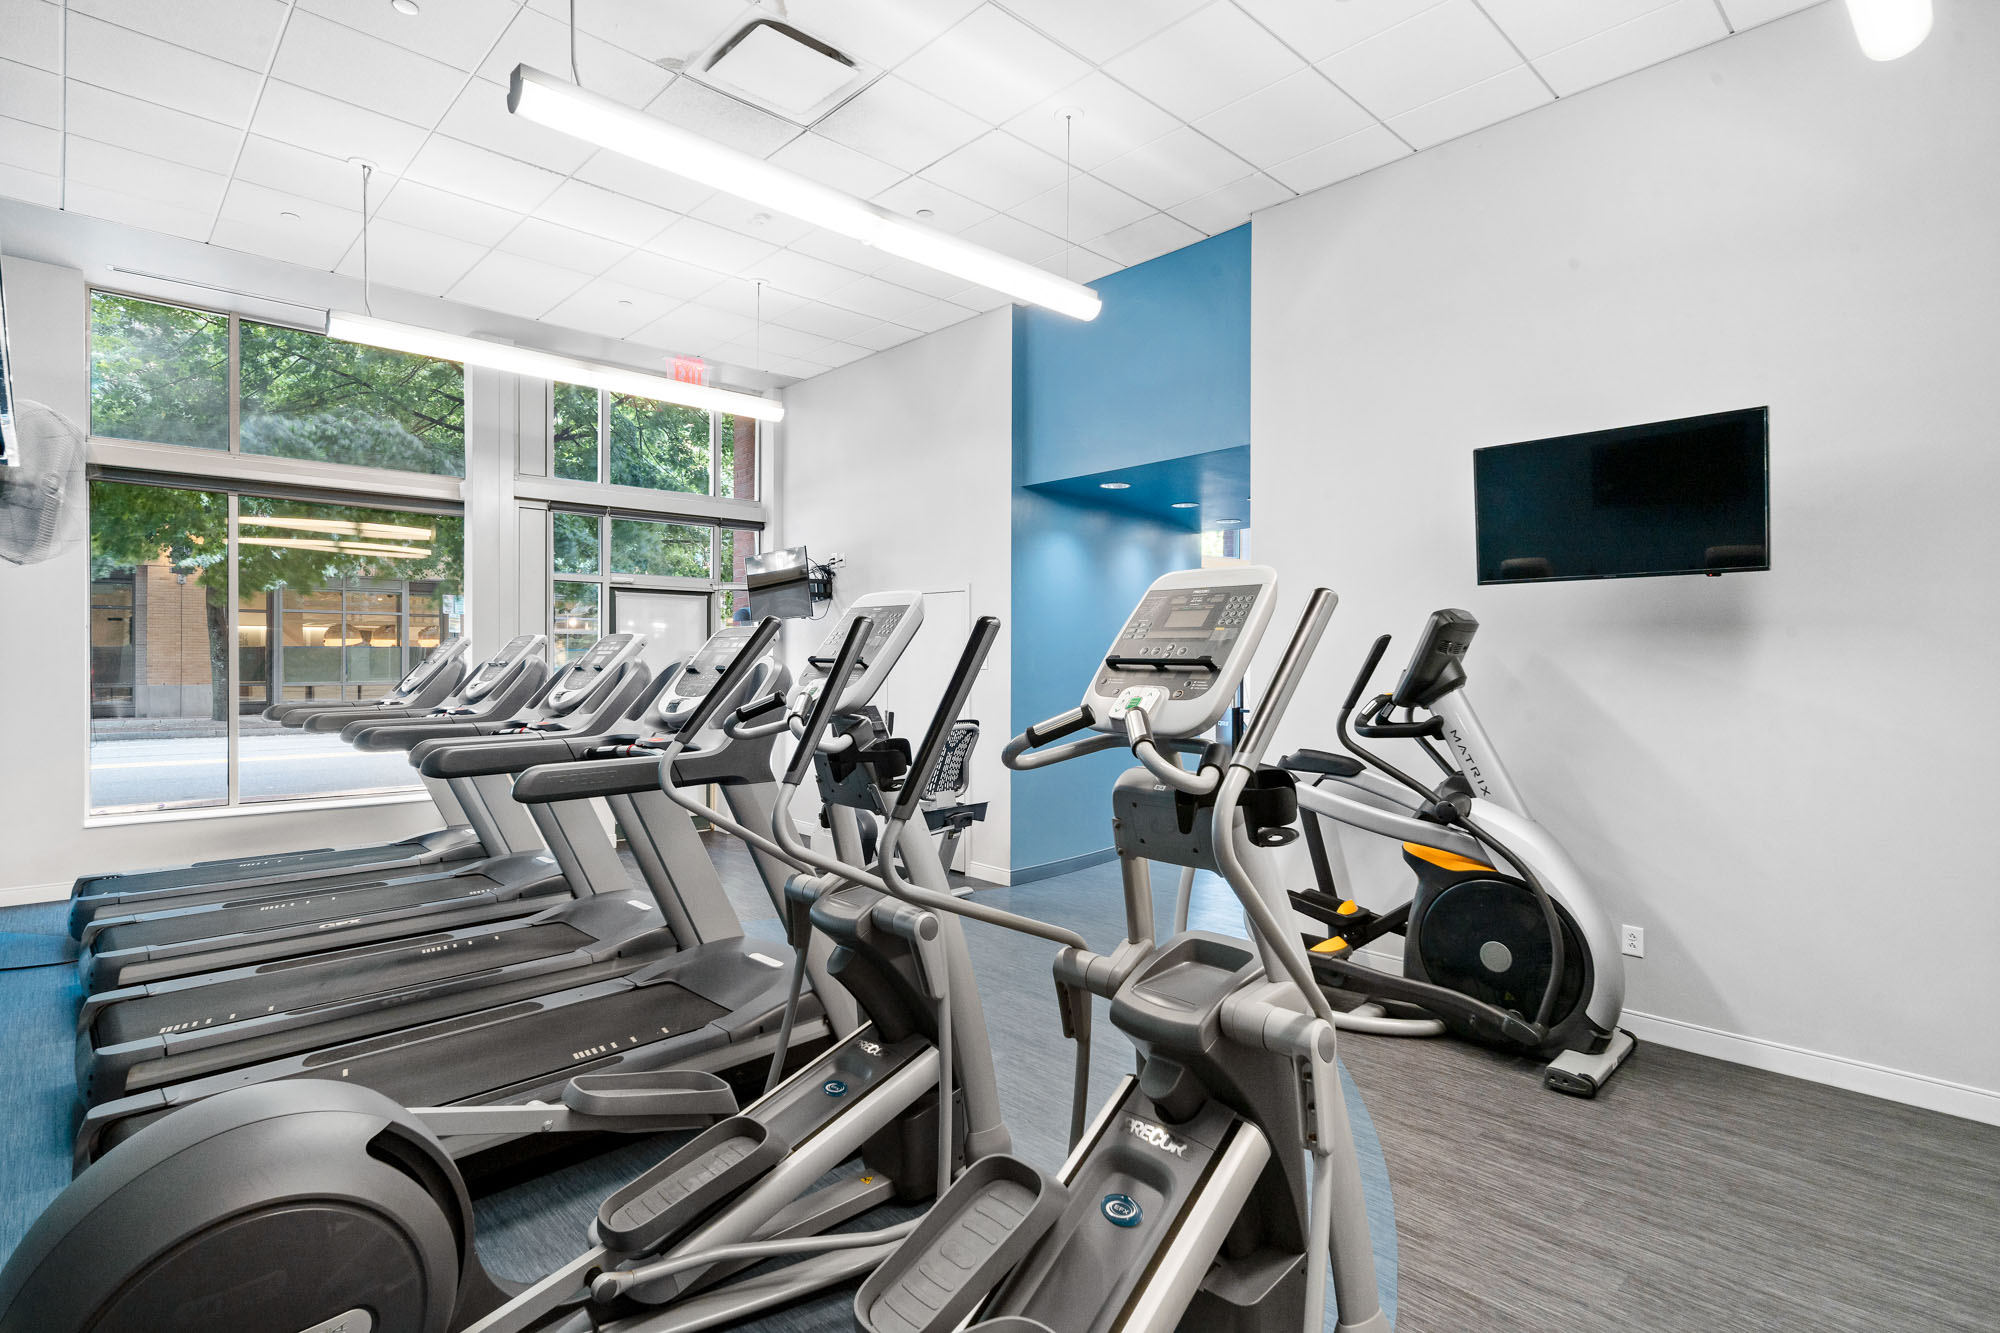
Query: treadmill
point(501, 687)
point(716, 1006)
point(266, 924)
point(140, 1037)
point(426, 686)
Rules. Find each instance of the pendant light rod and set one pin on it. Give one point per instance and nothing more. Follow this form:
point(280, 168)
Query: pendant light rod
point(546, 100)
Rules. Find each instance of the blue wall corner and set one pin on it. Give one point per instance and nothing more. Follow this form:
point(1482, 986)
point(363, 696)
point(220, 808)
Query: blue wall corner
point(1162, 373)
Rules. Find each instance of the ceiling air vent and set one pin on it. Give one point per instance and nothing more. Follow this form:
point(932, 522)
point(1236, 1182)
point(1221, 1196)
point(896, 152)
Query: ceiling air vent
point(781, 69)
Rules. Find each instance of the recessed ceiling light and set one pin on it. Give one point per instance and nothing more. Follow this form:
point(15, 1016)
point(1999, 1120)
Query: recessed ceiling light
point(404, 6)
point(1229, 522)
point(1187, 504)
point(289, 216)
point(927, 213)
point(1115, 485)
point(624, 300)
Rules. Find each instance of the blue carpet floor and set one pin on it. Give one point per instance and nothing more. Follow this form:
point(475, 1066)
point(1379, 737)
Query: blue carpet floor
point(530, 1228)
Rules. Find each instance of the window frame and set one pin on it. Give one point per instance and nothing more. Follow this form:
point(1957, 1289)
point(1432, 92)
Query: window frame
point(712, 587)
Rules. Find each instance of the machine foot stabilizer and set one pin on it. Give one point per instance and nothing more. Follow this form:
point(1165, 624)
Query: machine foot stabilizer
point(1581, 1074)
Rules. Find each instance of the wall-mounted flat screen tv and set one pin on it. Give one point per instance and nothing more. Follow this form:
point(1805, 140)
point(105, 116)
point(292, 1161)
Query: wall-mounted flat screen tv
point(780, 583)
point(10, 449)
point(1675, 497)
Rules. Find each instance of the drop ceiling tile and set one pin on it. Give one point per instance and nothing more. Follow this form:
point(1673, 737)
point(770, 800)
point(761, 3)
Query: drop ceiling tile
point(1647, 40)
point(1440, 51)
point(800, 274)
point(315, 234)
point(881, 337)
point(997, 170)
point(948, 210)
point(457, 32)
point(334, 128)
point(364, 70)
point(694, 106)
point(1750, 13)
point(157, 71)
point(693, 241)
point(837, 354)
point(741, 296)
point(1011, 236)
point(884, 300)
point(828, 321)
point(1205, 62)
point(1292, 116)
point(563, 247)
point(676, 29)
point(117, 206)
point(280, 166)
point(1316, 29)
point(775, 340)
point(30, 94)
point(516, 286)
point(611, 309)
point(753, 220)
point(1112, 120)
point(32, 186)
point(1083, 208)
point(692, 328)
point(819, 158)
point(1146, 239)
point(1487, 102)
point(798, 367)
point(412, 258)
point(127, 172)
point(882, 32)
point(109, 117)
point(1541, 26)
point(241, 32)
point(34, 32)
point(993, 65)
point(1076, 263)
point(833, 248)
point(662, 189)
point(663, 276)
point(936, 315)
point(1175, 168)
point(602, 212)
point(1364, 150)
point(902, 124)
point(30, 147)
point(535, 39)
point(480, 117)
point(415, 204)
point(918, 278)
point(1101, 29)
point(1232, 205)
point(985, 298)
point(480, 174)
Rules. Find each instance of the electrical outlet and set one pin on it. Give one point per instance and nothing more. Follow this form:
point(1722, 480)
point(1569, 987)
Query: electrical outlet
point(1632, 941)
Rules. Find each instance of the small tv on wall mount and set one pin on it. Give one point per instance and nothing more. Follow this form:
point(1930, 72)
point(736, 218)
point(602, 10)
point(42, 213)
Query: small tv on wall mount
point(1690, 496)
point(10, 447)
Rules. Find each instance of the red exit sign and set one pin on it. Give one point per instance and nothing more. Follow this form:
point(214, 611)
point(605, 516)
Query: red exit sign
point(690, 370)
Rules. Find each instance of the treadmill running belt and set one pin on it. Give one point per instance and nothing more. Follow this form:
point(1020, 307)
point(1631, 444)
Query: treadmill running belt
point(539, 1046)
point(284, 988)
point(301, 909)
point(220, 873)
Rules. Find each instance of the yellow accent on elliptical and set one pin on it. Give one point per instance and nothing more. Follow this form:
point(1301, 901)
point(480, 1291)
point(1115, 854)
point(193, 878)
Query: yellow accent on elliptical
point(1443, 860)
point(1332, 944)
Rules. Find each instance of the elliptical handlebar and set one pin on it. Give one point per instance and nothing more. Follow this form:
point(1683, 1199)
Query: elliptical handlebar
point(829, 697)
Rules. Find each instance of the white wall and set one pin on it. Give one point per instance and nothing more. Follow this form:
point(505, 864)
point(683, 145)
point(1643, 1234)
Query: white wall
point(902, 462)
point(1786, 778)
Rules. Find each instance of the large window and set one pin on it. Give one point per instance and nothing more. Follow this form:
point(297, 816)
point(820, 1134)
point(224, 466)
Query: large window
point(163, 374)
point(627, 441)
point(333, 602)
point(594, 558)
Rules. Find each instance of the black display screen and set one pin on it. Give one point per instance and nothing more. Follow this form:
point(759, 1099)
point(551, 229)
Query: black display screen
point(1675, 497)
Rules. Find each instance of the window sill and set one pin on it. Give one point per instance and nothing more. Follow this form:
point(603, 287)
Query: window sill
point(260, 808)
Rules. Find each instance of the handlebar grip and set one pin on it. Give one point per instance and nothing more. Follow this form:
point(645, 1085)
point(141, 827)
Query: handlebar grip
point(949, 709)
point(739, 667)
point(757, 708)
point(832, 686)
point(1367, 671)
point(1059, 726)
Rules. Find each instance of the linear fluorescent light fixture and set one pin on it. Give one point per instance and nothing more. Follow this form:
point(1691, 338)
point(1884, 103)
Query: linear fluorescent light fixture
point(356, 548)
point(547, 365)
point(1889, 29)
point(563, 106)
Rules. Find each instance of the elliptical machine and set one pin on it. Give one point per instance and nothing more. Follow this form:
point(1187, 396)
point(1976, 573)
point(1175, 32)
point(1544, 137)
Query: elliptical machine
point(1503, 942)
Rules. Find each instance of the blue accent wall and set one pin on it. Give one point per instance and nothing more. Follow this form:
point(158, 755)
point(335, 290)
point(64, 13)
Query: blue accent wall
point(1163, 373)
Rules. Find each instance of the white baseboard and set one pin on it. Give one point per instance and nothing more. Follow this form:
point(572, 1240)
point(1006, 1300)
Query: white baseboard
point(987, 874)
point(1837, 1071)
point(24, 894)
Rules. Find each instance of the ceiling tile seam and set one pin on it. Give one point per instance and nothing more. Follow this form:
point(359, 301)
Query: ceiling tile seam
point(1098, 65)
point(519, 7)
point(1636, 18)
point(62, 114)
point(1366, 110)
point(163, 41)
point(1515, 47)
point(243, 139)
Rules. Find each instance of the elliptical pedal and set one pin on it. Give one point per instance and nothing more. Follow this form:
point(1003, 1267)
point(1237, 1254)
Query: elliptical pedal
point(710, 1169)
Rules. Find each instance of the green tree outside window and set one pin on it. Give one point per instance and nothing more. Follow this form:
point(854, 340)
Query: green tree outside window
point(158, 373)
point(661, 446)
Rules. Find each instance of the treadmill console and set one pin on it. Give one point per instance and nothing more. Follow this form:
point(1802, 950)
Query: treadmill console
point(705, 668)
point(582, 676)
point(442, 656)
point(703, 672)
point(896, 617)
point(1184, 649)
point(1437, 667)
point(496, 668)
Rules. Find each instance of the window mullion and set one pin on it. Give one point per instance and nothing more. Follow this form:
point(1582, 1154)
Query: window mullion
point(604, 436)
point(235, 396)
point(232, 635)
